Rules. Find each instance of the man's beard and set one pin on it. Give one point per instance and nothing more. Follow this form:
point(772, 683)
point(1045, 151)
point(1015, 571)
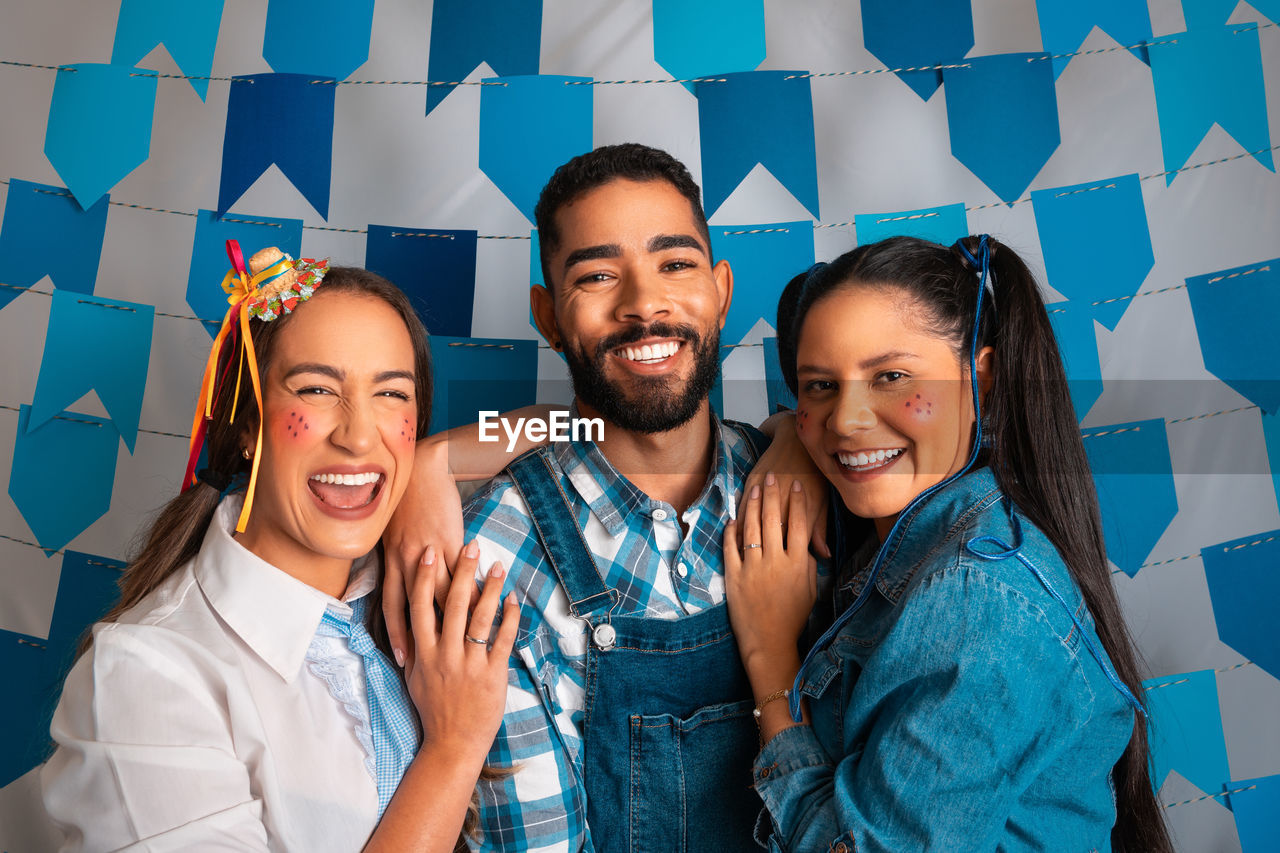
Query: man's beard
point(657, 404)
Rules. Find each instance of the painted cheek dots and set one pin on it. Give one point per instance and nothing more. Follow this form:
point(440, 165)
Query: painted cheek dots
point(296, 425)
point(407, 430)
point(921, 408)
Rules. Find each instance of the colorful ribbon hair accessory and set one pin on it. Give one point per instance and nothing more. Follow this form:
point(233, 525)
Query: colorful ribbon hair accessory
point(272, 286)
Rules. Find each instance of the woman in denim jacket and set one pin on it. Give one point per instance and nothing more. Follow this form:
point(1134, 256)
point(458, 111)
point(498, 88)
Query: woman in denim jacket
point(974, 686)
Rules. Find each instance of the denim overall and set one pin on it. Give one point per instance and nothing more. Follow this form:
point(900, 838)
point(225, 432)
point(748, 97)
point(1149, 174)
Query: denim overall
point(668, 734)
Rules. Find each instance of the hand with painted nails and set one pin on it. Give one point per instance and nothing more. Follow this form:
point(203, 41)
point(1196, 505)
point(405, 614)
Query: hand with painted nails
point(426, 526)
point(787, 459)
point(457, 670)
point(770, 583)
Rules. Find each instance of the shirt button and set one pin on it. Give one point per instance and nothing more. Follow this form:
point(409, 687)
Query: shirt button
point(682, 570)
point(841, 848)
point(659, 514)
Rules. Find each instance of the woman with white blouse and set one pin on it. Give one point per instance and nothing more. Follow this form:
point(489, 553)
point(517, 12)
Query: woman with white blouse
point(236, 697)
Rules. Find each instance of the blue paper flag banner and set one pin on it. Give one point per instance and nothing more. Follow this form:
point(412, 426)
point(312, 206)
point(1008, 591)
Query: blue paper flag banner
point(918, 33)
point(46, 232)
point(95, 344)
point(435, 267)
point(188, 30)
point(780, 396)
point(681, 46)
point(1002, 112)
point(528, 127)
point(338, 29)
point(1078, 345)
point(1255, 803)
point(752, 117)
point(248, 149)
point(506, 34)
point(763, 258)
point(480, 374)
point(1207, 76)
point(1134, 475)
point(209, 262)
point(35, 668)
point(117, 102)
point(1065, 26)
point(944, 224)
point(1185, 729)
point(62, 475)
point(1244, 587)
point(1099, 273)
point(1235, 311)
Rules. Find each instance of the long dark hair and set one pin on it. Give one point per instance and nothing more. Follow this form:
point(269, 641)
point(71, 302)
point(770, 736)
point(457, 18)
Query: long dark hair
point(179, 528)
point(1037, 455)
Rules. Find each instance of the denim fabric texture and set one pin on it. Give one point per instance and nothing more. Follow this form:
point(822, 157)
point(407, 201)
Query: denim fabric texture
point(959, 708)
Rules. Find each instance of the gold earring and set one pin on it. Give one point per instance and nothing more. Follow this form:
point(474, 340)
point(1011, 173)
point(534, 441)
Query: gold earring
point(246, 453)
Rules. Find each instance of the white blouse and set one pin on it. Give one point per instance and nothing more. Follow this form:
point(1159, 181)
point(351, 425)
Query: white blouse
point(197, 722)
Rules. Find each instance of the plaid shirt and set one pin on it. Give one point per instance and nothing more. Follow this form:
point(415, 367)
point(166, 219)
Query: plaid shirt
point(640, 551)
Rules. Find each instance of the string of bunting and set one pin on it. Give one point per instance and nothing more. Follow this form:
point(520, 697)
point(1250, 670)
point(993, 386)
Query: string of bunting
point(850, 224)
point(642, 81)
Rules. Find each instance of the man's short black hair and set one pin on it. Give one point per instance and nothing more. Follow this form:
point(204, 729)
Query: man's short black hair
point(586, 172)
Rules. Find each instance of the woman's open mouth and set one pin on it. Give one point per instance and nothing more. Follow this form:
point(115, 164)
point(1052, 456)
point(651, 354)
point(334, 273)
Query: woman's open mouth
point(345, 492)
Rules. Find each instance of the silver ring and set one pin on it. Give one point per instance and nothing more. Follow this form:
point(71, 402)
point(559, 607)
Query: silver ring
point(754, 545)
point(471, 639)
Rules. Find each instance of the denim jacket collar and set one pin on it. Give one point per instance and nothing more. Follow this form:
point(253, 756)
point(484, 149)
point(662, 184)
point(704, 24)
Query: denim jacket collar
point(958, 502)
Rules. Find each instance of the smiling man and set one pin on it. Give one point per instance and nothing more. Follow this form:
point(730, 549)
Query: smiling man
point(628, 723)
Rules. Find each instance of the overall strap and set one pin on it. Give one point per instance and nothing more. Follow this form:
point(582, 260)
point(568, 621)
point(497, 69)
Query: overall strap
point(553, 519)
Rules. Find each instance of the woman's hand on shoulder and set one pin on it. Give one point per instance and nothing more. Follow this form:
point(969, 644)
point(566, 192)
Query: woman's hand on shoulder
point(770, 578)
point(429, 514)
point(787, 459)
point(457, 670)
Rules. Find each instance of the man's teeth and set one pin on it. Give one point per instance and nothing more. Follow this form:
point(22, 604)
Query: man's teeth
point(648, 352)
point(348, 479)
point(862, 459)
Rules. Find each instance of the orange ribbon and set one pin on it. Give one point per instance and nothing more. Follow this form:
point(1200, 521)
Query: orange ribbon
point(241, 289)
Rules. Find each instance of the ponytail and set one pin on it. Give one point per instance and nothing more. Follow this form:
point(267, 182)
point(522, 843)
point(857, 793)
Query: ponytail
point(1038, 459)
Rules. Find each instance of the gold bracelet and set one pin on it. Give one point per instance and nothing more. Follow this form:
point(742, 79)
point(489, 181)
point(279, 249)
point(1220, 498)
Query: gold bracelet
point(772, 697)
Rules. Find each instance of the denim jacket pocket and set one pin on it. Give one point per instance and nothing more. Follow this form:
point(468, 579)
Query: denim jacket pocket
point(675, 763)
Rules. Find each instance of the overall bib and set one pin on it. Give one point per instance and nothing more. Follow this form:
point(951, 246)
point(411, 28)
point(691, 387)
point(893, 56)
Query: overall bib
point(668, 733)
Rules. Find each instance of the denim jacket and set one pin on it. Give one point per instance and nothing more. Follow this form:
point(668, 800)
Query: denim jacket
point(964, 706)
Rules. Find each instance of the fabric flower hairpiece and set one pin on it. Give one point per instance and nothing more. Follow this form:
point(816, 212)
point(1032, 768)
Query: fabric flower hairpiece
point(273, 285)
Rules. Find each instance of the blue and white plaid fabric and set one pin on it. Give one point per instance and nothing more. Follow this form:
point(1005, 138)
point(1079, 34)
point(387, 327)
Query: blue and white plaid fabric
point(641, 552)
point(388, 730)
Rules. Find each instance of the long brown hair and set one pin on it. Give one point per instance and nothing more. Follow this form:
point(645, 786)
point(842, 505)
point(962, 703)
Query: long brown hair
point(1037, 456)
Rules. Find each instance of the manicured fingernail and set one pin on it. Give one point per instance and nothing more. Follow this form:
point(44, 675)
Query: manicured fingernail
point(472, 549)
point(795, 486)
point(496, 570)
point(511, 597)
point(769, 479)
point(399, 653)
point(429, 556)
point(755, 491)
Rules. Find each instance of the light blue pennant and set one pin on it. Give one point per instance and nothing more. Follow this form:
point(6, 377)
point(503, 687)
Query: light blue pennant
point(1244, 587)
point(1235, 313)
point(188, 31)
point(763, 259)
point(99, 127)
point(209, 262)
point(1186, 729)
point(480, 374)
point(325, 38)
point(944, 224)
point(1065, 26)
point(1078, 345)
point(681, 45)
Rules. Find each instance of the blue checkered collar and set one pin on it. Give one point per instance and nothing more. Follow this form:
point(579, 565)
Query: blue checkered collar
point(274, 613)
point(614, 499)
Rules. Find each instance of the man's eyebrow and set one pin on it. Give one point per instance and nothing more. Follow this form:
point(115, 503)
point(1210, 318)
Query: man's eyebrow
point(592, 253)
point(662, 242)
point(315, 367)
